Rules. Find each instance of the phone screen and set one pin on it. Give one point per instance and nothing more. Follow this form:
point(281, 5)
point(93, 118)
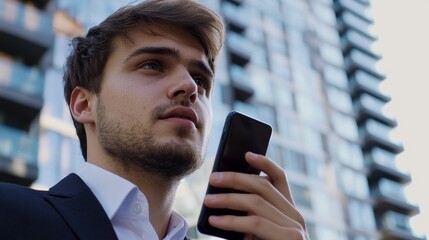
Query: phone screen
point(240, 134)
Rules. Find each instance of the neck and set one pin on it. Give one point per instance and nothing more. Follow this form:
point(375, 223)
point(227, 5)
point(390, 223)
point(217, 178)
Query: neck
point(159, 192)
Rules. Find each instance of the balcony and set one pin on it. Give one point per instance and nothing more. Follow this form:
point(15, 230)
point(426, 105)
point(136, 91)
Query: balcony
point(25, 31)
point(21, 90)
point(239, 49)
point(41, 4)
point(234, 16)
point(235, 2)
point(18, 156)
point(352, 39)
point(395, 226)
point(381, 164)
point(364, 82)
point(369, 107)
point(376, 134)
point(357, 60)
point(358, 8)
point(240, 82)
point(389, 195)
point(348, 20)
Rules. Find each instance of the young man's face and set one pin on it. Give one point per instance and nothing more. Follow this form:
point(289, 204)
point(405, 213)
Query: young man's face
point(154, 108)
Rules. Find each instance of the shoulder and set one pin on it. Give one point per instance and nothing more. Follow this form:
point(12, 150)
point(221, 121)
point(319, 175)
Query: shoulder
point(19, 199)
point(24, 211)
point(15, 193)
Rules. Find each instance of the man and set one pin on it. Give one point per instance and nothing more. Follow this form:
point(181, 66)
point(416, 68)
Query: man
point(139, 88)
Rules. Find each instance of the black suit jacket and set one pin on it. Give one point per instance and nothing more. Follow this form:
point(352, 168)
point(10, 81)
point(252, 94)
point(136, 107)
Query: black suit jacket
point(69, 210)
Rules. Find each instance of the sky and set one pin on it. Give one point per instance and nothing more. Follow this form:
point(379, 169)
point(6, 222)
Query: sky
point(402, 27)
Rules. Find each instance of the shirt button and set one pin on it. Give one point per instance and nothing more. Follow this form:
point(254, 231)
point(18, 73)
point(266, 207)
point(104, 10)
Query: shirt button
point(137, 208)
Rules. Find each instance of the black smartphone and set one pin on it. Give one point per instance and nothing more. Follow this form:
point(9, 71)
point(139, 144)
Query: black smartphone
point(240, 134)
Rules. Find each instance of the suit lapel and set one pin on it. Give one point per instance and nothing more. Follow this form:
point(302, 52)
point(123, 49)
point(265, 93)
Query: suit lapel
point(73, 199)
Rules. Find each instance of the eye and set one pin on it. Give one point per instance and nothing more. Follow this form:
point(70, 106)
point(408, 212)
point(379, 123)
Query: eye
point(201, 81)
point(150, 65)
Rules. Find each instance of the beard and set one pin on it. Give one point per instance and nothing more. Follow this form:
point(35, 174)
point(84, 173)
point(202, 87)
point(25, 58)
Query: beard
point(132, 147)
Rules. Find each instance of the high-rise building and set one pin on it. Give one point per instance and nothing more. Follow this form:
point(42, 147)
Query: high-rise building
point(306, 67)
point(25, 38)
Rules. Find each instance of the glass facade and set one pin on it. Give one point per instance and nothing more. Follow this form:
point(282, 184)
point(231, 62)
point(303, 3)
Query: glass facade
point(304, 67)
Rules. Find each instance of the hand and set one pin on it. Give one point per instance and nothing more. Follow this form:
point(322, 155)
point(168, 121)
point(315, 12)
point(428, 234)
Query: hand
point(271, 211)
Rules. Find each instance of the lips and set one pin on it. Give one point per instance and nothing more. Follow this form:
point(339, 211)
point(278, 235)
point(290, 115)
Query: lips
point(181, 113)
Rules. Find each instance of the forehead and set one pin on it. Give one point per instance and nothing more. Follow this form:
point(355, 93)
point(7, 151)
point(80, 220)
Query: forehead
point(161, 36)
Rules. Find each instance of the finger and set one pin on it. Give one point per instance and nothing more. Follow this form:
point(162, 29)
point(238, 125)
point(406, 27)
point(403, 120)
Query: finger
point(276, 174)
point(260, 227)
point(251, 203)
point(256, 185)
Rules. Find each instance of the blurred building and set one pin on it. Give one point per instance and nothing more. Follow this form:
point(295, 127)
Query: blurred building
point(305, 67)
point(25, 39)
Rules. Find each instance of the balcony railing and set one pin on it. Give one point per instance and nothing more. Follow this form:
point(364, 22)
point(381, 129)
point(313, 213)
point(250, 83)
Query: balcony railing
point(391, 189)
point(377, 134)
point(362, 81)
point(239, 48)
point(381, 164)
point(21, 78)
point(368, 107)
point(394, 220)
point(350, 20)
point(353, 39)
point(21, 91)
point(16, 144)
point(25, 31)
point(241, 86)
point(235, 16)
point(358, 8)
point(358, 60)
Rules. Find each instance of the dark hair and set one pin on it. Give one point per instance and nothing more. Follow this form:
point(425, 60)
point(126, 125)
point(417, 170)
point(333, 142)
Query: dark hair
point(85, 65)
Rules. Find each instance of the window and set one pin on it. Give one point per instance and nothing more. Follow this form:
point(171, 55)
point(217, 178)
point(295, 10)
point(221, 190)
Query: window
point(345, 126)
point(315, 167)
point(259, 57)
point(327, 206)
point(313, 141)
point(289, 128)
point(328, 34)
point(324, 232)
point(353, 183)
point(307, 80)
point(348, 153)
point(274, 152)
point(261, 82)
point(395, 220)
point(310, 110)
point(301, 195)
point(284, 98)
point(391, 189)
point(279, 65)
point(294, 161)
point(339, 99)
point(335, 76)
point(331, 54)
point(360, 215)
point(325, 13)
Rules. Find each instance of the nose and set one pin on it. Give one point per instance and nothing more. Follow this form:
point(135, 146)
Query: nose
point(183, 87)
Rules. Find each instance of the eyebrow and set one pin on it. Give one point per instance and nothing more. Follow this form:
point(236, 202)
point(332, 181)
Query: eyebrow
point(166, 51)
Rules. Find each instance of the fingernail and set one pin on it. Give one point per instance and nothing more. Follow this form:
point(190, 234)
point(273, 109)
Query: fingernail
point(251, 155)
point(210, 197)
point(214, 218)
point(217, 176)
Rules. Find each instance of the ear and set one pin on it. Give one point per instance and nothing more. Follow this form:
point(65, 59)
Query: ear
point(82, 105)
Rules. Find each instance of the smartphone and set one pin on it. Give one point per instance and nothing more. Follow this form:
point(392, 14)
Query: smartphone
point(240, 134)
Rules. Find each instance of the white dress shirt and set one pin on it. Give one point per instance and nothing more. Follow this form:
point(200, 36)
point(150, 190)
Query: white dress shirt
point(126, 206)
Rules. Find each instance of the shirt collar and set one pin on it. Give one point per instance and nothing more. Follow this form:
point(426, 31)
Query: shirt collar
point(110, 197)
point(117, 192)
